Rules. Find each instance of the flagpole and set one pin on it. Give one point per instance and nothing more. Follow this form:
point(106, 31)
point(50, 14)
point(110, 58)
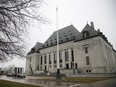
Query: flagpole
point(58, 70)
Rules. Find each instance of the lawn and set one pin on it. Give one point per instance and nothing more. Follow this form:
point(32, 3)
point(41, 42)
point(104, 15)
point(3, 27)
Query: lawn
point(84, 79)
point(4, 83)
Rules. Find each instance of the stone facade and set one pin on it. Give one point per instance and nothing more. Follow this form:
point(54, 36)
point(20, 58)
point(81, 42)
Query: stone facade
point(87, 51)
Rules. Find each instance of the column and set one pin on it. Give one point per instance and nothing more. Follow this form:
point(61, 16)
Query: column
point(52, 61)
point(47, 60)
point(39, 61)
point(69, 52)
point(43, 68)
point(63, 59)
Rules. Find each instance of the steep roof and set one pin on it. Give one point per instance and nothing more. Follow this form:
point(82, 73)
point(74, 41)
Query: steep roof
point(68, 33)
point(36, 48)
point(89, 30)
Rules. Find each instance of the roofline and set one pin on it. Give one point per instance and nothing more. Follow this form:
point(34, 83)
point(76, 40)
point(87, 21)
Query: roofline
point(55, 44)
point(86, 38)
point(92, 37)
point(114, 50)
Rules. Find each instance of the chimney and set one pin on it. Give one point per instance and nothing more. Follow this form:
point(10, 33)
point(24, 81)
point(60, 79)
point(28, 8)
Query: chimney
point(98, 30)
point(92, 24)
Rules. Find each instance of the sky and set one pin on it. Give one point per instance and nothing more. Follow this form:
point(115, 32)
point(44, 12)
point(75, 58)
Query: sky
point(75, 12)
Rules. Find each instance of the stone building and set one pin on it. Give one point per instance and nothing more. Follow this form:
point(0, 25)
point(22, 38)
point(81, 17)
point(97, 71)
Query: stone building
point(15, 70)
point(87, 51)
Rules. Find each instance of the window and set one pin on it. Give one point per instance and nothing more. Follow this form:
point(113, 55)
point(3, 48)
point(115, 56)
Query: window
point(61, 40)
point(88, 71)
point(54, 57)
point(38, 67)
point(60, 65)
point(72, 54)
point(60, 57)
point(45, 68)
point(45, 59)
point(75, 65)
point(70, 33)
point(41, 68)
point(55, 42)
point(87, 60)
point(86, 49)
point(41, 60)
point(46, 44)
point(55, 66)
point(66, 56)
point(51, 43)
point(66, 39)
point(72, 65)
point(65, 35)
point(72, 37)
point(49, 59)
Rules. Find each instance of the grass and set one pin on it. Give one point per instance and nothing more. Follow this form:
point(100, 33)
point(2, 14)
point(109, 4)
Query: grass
point(4, 83)
point(84, 79)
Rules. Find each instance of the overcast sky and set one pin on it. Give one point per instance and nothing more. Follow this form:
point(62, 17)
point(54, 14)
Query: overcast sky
point(77, 13)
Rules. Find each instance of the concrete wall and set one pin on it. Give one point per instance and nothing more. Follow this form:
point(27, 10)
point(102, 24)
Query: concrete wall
point(32, 61)
point(51, 51)
point(97, 53)
point(101, 56)
point(108, 57)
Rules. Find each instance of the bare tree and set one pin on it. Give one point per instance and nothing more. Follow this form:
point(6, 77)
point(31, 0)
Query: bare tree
point(14, 16)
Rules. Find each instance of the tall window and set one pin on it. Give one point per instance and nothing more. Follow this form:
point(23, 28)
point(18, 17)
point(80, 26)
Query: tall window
point(86, 49)
point(49, 59)
point(66, 56)
point(41, 60)
point(45, 59)
point(60, 57)
point(54, 57)
point(87, 60)
point(72, 54)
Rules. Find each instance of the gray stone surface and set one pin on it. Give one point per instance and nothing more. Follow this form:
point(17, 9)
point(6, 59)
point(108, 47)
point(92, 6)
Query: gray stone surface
point(46, 83)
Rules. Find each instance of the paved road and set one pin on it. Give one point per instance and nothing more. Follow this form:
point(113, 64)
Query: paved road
point(106, 83)
point(45, 83)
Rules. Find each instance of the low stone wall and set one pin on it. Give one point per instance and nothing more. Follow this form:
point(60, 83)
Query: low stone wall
point(38, 72)
point(91, 75)
point(66, 71)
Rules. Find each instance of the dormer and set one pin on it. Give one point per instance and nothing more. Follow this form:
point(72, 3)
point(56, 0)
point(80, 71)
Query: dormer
point(85, 34)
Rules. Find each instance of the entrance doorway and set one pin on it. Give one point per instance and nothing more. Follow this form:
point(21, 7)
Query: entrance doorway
point(75, 65)
point(67, 66)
